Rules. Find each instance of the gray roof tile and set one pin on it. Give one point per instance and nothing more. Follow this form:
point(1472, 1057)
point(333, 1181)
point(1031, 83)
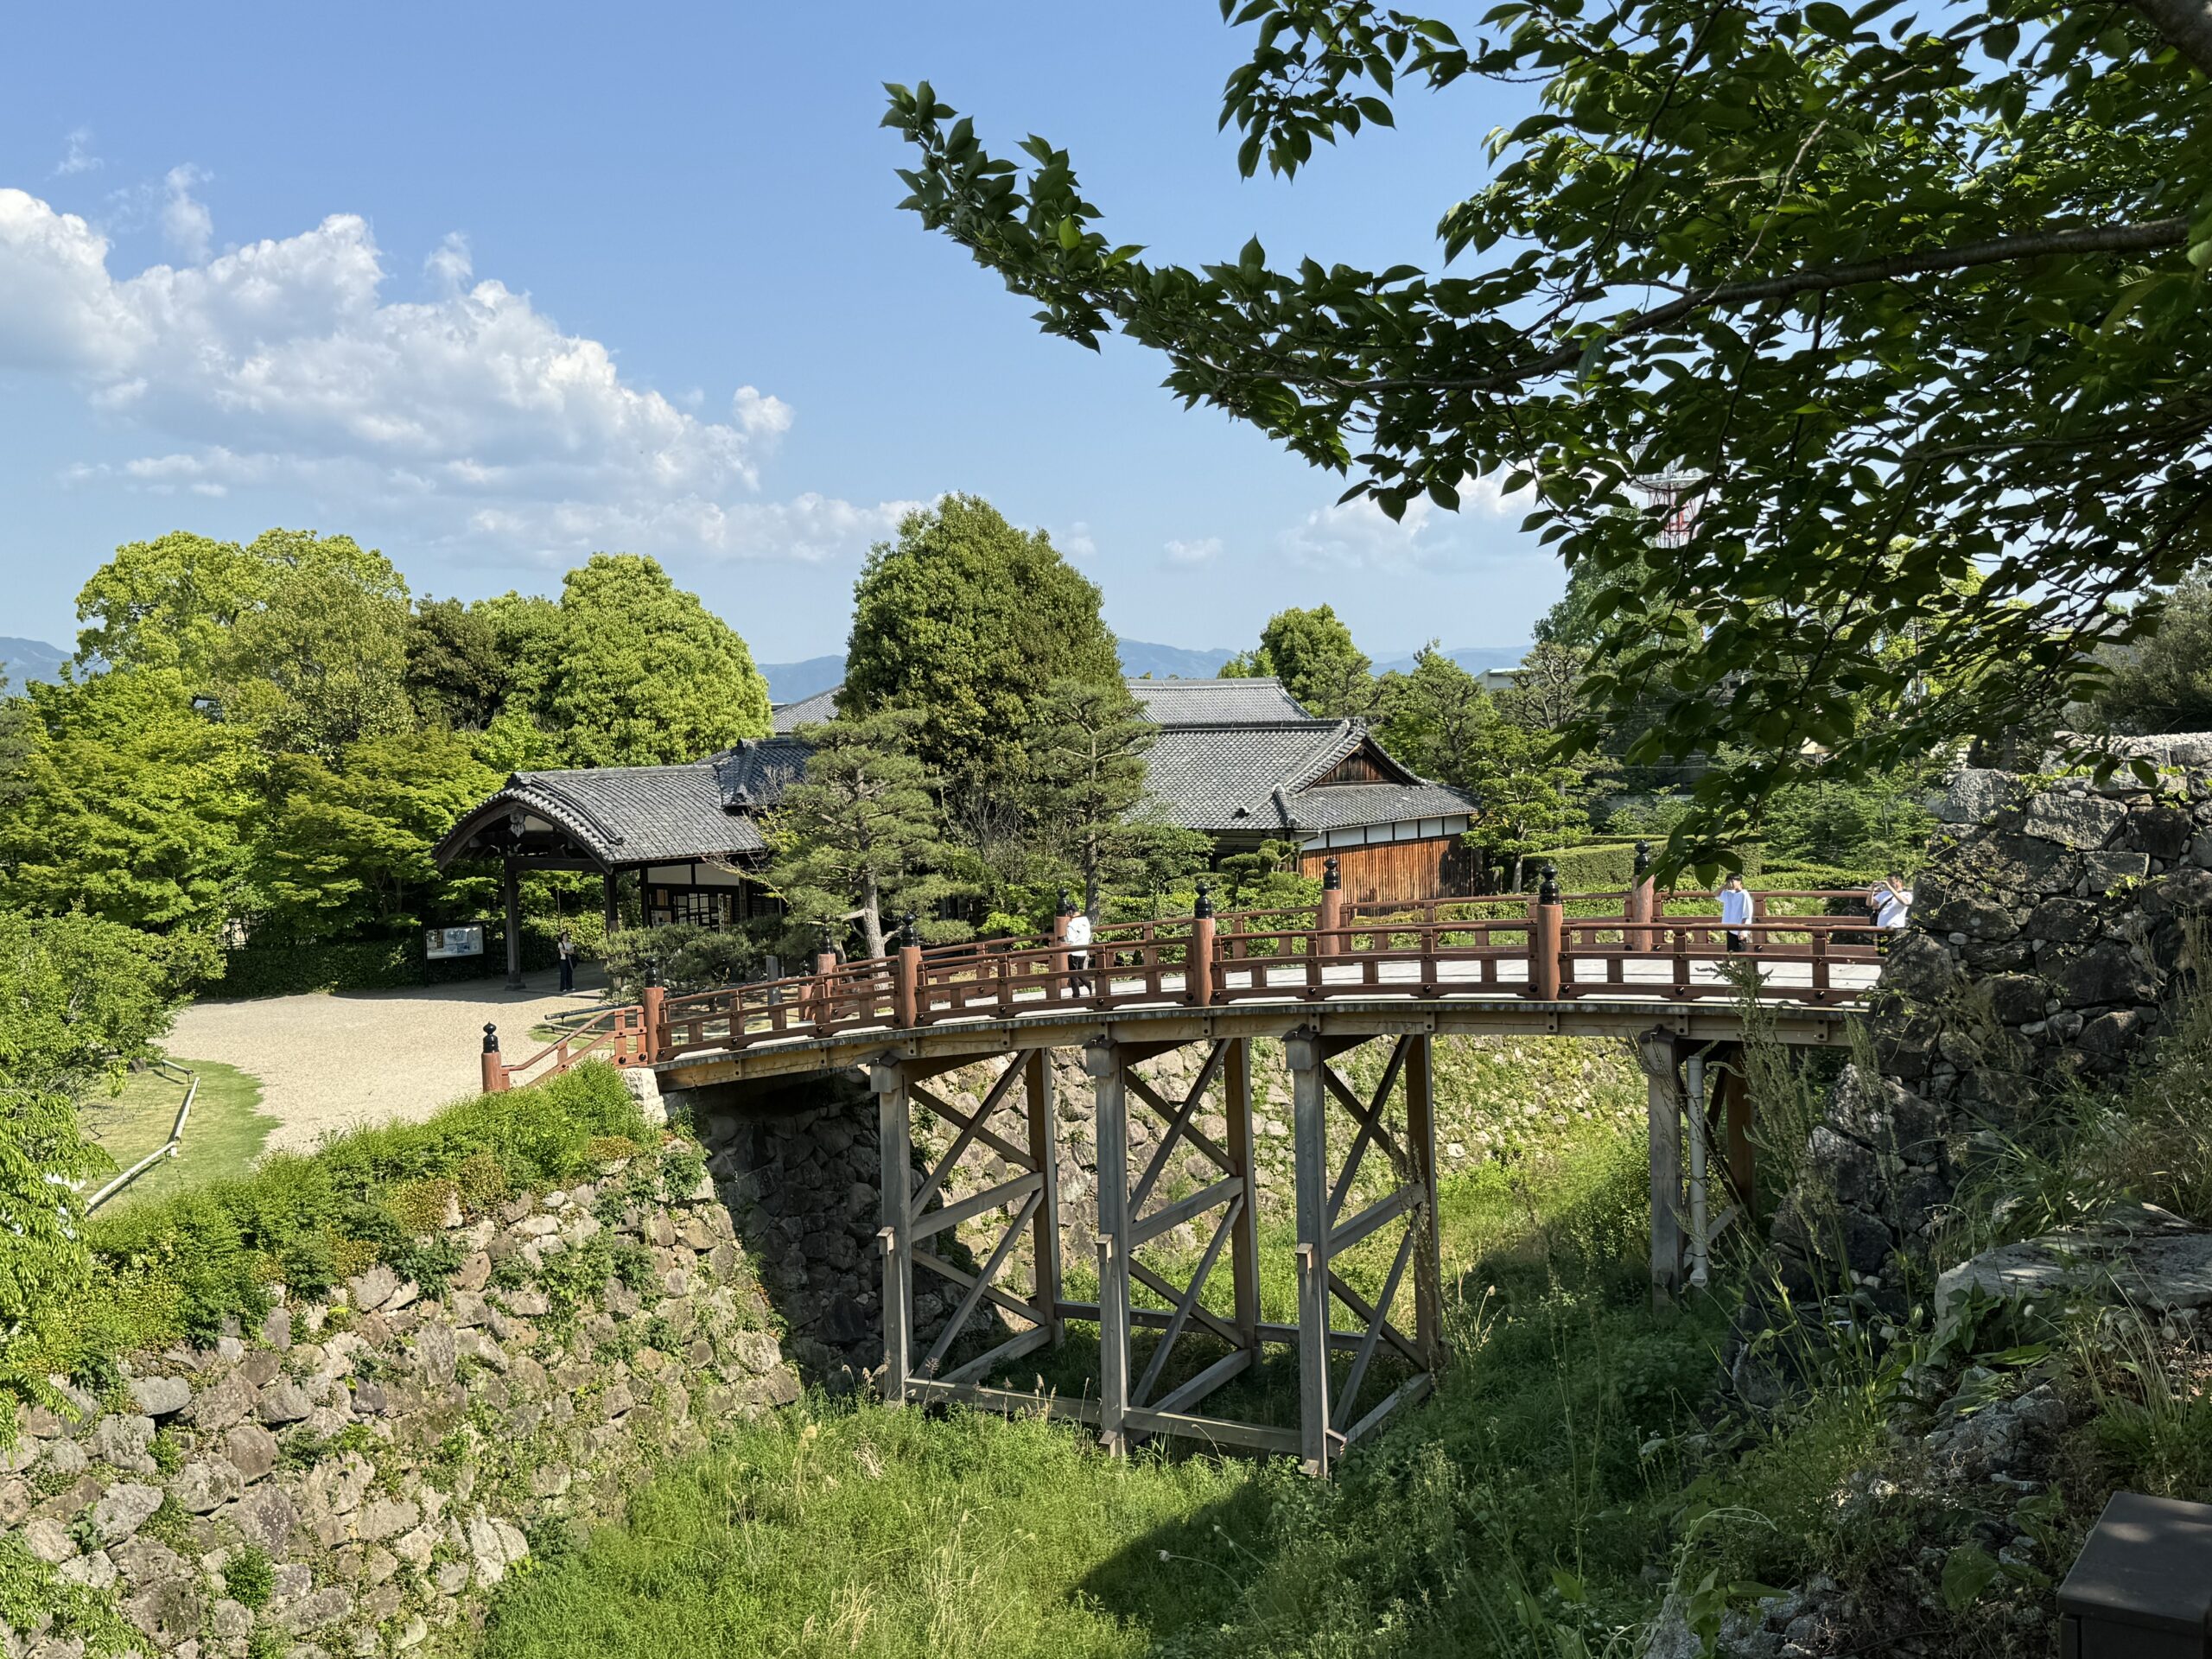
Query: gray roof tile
point(1210, 703)
point(788, 717)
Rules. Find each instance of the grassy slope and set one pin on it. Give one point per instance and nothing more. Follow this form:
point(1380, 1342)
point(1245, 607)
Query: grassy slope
point(1536, 1496)
point(224, 1135)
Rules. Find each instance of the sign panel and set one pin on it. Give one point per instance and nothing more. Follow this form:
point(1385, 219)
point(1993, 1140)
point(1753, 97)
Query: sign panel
point(442, 942)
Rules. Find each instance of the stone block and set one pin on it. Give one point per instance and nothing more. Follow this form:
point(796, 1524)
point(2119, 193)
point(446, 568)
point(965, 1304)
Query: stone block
point(127, 1506)
point(161, 1396)
point(208, 1484)
point(473, 1273)
point(2102, 872)
point(167, 1613)
point(2081, 823)
point(251, 1450)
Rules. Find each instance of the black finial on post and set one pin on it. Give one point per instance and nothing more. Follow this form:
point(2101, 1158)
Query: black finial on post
point(1331, 877)
point(652, 973)
point(907, 934)
point(491, 1038)
point(1548, 892)
point(1642, 859)
point(1203, 906)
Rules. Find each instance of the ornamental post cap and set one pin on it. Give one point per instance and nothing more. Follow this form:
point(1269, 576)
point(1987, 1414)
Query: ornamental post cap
point(1331, 876)
point(491, 1038)
point(906, 929)
point(1549, 892)
point(652, 975)
point(1642, 857)
point(1204, 905)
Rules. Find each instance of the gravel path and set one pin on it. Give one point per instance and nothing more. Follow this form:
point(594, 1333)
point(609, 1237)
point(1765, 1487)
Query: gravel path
point(334, 1061)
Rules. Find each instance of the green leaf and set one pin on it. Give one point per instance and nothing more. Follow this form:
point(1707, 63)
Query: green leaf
point(1071, 234)
point(1967, 1571)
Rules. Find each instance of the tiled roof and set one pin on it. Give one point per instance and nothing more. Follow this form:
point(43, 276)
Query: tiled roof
point(753, 775)
point(1209, 702)
point(822, 707)
point(634, 815)
point(1233, 777)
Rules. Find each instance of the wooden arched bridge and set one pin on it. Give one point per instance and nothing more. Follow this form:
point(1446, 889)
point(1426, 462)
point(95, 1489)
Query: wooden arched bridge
point(1658, 970)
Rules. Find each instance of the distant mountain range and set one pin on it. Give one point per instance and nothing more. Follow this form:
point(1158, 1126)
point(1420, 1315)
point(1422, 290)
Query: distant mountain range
point(30, 659)
point(789, 682)
point(33, 659)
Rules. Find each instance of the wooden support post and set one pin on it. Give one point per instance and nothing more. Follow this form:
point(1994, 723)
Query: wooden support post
point(1060, 987)
point(1103, 1062)
point(1197, 955)
point(1544, 936)
point(613, 908)
point(1244, 1240)
point(1045, 1151)
point(511, 890)
point(1643, 903)
point(895, 1131)
point(1420, 1153)
point(1310, 1154)
point(1330, 916)
point(652, 1041)
point(495, 1068)
point(1662, 1070)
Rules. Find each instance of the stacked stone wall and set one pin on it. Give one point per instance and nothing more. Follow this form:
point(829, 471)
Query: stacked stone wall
point(358, 1471)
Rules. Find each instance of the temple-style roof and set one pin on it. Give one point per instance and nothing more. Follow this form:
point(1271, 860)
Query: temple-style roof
point(1210, 703)
point(1232, 757)
point(788, 717)
point(617, 817)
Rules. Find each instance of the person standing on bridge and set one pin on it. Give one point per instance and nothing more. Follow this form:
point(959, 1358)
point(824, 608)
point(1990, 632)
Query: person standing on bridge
point(1078, 943)
point(566, 949)
point(1735, 911)
point(1891, 904)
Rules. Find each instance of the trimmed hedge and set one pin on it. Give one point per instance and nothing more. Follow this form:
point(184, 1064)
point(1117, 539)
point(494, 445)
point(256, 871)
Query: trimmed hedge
point(1594, 867)
point(173, 1271)
point(391, 964)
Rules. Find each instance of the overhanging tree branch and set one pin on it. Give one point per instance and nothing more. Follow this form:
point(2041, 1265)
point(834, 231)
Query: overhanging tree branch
point(2185, 25)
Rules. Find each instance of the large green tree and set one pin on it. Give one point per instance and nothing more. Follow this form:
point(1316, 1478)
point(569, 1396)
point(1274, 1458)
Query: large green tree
point(131, 804)
point(344, 852)
point(458, 674)
point(1437, 718)
point(862, 835)
point(321, 663)
point(967, 620)
point(638, 672)
point(80, 999)
point(1311, 652)
point(1087, 745)
point(2162, 682)
point(1892, 296)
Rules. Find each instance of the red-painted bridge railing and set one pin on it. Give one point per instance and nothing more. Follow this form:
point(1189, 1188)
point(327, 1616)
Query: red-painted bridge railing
point(1549, 949)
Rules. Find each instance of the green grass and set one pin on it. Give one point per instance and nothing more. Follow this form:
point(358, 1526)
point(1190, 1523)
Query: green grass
point(224, 1135)
point(1534, 1503)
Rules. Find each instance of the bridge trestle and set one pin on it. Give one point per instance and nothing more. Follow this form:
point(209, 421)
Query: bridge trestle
point(1144, 1389)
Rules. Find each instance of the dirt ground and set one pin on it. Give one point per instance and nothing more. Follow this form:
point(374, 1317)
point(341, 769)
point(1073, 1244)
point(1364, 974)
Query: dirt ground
point(334, 1061)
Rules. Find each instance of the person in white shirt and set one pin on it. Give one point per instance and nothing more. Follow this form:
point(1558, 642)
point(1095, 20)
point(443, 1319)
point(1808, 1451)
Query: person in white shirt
point(1735, 911)
point(1891, 903)
point(1078, 937)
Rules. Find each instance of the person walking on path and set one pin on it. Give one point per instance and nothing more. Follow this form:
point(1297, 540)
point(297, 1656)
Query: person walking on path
point(1891, 904)
point(1735, 911)
point(567, 952)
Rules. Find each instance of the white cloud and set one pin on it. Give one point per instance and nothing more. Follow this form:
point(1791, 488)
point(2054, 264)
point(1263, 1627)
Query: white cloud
point(281, 363)
point(187, 225)
point(1201, 551)
point(79, 157)
point(1359, 536)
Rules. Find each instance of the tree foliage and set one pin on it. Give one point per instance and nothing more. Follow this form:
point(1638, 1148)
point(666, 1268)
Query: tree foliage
point(638, 672)
point(2163, 682)
point(1311, 652)
point(131, 804)
point(79, 999)
point(1437, 718)
point(345, 850)
point(1897, 295)
point(321, 663)
point(862, 835)
point(1086, 766)
point(968, 621)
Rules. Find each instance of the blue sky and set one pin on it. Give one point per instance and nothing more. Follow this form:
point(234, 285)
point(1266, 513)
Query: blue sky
point(492, 287)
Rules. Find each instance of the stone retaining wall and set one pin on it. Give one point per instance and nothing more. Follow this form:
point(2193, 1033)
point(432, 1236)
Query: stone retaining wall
point(359, 1469)
point(2047, 928)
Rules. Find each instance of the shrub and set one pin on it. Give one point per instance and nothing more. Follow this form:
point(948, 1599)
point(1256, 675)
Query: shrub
point(392, 964)
point(690, 958)
point(172, 1271)
point(250, 1576)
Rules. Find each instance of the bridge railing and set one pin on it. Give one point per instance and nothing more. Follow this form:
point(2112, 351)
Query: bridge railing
point(1507, 944)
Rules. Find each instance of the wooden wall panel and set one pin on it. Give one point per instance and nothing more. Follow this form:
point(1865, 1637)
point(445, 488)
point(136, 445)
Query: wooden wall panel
point(1439, 868)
